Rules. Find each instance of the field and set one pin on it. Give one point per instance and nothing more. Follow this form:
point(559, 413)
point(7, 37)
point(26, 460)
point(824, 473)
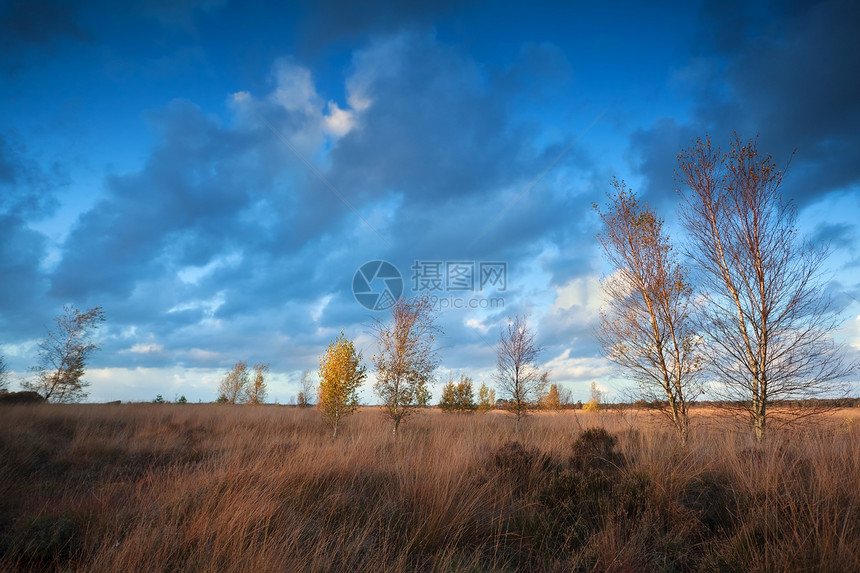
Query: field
point(222, 488)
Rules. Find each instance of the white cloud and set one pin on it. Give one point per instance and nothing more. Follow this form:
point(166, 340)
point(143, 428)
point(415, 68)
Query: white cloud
point(581, 292)
point(319, 307)
point(578, 369)
point(295, 89)
point(209, 306)
point(853, 331)
point(193, 274)
point(151, 348)
point(338, 122)
point(478, 324)
point(201, 355)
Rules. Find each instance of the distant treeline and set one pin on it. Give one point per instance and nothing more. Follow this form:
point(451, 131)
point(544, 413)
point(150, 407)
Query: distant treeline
point(806, 403)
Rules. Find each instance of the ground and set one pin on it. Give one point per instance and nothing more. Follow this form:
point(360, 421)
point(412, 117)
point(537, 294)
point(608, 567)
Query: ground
point(242, 488)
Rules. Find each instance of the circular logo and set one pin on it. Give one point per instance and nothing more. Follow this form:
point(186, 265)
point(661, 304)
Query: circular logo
point(377, 285)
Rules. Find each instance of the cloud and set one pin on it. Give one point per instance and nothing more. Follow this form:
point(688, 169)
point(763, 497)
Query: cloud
point(333, 21)
point(228, 244)
point(41, 23)
point(28, 195)
point(23, 285)
point(146, 349)
point(578, 370)
point(27, 188)
point(783, 71)
point(338, 121)
point(837, 235)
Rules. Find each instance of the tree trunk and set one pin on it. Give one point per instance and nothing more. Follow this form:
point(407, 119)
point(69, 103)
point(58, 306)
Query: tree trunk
point(759, 418)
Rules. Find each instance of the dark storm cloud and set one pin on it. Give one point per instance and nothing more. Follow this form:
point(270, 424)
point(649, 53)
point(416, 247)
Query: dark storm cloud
point(225, 238)
point(182, 188)
point(29, 30)
point(838, 235)
point(439, 134)
point(654, 153)
point(23, 283)
point(329, 21)
point(451, 128)
point(28, 193)
point(786, 72)
point(27, 188)
point(39, 23)
point(205, 191)
point(231, 208)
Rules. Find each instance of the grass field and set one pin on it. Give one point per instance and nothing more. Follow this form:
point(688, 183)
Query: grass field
point(221, 488)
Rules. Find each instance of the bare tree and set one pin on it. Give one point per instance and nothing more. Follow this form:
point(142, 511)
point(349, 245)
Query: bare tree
point(307, 395)
point(4, 373)
point(565, 397)
point(646, 325)
point(766, 319)
point(406, 358)
point(517, 375)
point(63, 355)
point(234, 385)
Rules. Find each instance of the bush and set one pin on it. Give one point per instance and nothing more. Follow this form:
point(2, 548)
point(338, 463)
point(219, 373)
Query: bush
point(458, 397)
point(26, 397)
point(595, 448)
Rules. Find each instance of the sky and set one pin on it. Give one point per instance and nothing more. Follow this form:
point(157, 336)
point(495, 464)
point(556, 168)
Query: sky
point(214, 173)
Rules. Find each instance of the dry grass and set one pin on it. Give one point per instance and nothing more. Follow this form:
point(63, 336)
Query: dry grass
point(223, 488)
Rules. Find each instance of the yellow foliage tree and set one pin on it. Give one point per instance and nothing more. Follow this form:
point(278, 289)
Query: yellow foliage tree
point(486, 399)
point(341, 374)
point(551, 401)
point(458, 397)
point(258, 387)
point(234, 385)
point(593, 405)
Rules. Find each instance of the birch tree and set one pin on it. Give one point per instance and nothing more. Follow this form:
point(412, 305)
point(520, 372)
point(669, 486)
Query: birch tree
point(406, 359)
point(646, 325)
point(767, 319)
point(4, 373)
point(486, 398)
point(63, 355)
point(517, 375)
point(341, 375)
point(234, 385)
point(258, 388)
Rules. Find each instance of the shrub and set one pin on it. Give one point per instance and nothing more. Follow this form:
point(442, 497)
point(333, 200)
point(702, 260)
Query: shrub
point(25, 397)
point(595, 448)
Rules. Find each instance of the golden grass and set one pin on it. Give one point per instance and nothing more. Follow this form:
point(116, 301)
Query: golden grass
point(236, 488)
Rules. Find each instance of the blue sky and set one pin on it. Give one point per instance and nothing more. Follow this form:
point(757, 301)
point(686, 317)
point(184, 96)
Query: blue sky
point(213, 173)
